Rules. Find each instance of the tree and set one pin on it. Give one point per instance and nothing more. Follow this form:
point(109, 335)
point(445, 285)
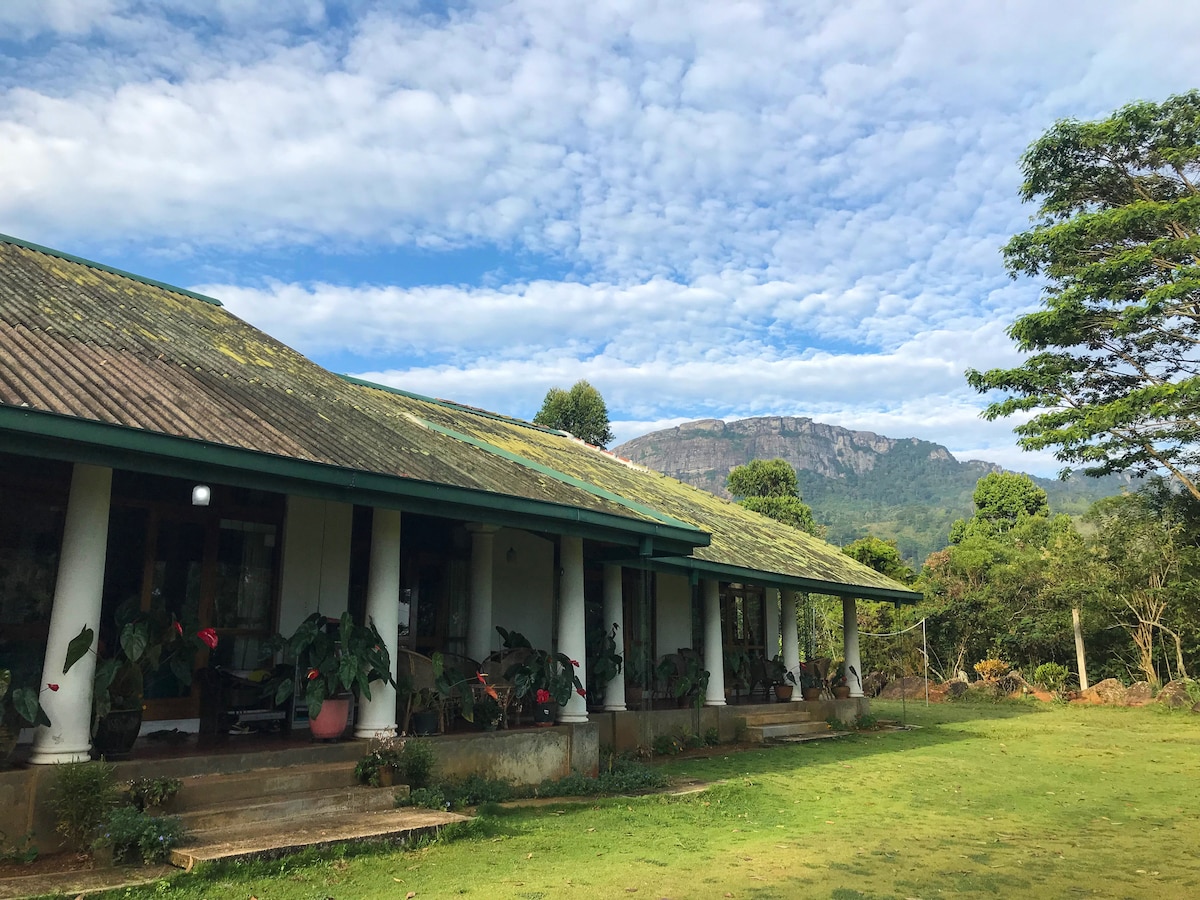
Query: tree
point(1001, 500)
point(770, 488)
point(1113, 378)
point(882, 556)
point(580, 411)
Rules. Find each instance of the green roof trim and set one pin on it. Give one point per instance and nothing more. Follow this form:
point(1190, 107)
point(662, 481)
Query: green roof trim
point(92, 264)
point(119, 446)
point(726, 572)
point(565, 479)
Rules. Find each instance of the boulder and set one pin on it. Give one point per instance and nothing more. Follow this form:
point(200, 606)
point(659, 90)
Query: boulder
point(1175, 695)
point(910, 688)
point(1108, 692)
point(956, 689)
point(1139, 694)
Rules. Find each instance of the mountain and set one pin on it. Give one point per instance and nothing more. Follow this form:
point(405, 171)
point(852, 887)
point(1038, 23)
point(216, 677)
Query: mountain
point(904, 489)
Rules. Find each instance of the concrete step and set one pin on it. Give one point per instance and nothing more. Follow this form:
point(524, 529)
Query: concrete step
point(773, 716)
point(268, 841)
point(295, 805)
point(204, 791)
point(761, 733)
point(228, 758)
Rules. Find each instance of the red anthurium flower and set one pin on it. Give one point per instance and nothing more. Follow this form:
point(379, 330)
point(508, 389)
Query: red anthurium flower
point(313, 673)
point(581, 692)
point(482, 678)
point(209, 637)
point(575, 663)
point(53, 687)
point(178, 628)
point(542, 696)
point(491, 692)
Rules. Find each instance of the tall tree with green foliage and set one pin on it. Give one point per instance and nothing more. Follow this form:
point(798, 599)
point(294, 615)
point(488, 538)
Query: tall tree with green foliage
point(1113, 376)
point(1001, 499)
point(770, 488)
point(882, 556)
point(580, 411)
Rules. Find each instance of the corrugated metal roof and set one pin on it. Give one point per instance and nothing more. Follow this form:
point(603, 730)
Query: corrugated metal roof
point(97, 345)
point(100, 345)
point(740, 538)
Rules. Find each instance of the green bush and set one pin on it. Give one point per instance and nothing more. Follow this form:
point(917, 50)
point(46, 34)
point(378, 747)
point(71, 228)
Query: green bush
point(132, 834)
point(417, 762)
point(81, 797)
point(1053, 676)
point(146, 793)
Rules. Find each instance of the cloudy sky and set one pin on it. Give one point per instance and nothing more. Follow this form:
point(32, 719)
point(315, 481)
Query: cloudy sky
point(707, 209)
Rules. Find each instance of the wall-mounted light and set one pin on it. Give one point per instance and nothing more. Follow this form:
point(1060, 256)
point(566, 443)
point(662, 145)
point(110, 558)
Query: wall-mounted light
point(201, 494)
point(511, 555)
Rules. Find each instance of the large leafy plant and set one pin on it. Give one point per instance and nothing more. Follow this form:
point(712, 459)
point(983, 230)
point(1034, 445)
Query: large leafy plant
point(332, 657)
point(542, 674)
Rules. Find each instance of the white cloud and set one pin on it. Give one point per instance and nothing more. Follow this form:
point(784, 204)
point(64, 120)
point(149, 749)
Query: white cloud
point(760, 207)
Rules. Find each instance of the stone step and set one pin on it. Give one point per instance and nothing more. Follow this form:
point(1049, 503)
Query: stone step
point(228, 758)
point(204, 791)
point(297, 805)
point(770, 717)
point(267, 841)
point(761, 733)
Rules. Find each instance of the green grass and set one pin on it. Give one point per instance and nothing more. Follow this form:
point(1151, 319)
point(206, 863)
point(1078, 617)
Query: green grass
point(1006, 800)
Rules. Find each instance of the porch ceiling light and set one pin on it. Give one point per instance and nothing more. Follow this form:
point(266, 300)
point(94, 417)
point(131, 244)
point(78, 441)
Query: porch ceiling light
point(201, 494)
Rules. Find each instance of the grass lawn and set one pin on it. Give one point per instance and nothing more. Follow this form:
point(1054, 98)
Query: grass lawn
point(1010, 800)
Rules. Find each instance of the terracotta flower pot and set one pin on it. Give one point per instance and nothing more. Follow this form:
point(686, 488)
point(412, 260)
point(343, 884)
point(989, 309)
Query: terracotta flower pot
point(841, 693)
point(783, 692)
point(331, 720)
point(811, 693)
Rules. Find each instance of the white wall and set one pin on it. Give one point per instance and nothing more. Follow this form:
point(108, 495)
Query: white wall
point(316, 560)
point(523, 590)
point(673, 625)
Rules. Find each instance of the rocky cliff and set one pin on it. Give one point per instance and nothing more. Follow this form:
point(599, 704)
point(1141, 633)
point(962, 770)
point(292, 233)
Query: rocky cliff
point(856, 481)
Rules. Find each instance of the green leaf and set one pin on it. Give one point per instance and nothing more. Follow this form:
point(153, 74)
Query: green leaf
point(78, 648)
point(134, 639)
point(25, 702)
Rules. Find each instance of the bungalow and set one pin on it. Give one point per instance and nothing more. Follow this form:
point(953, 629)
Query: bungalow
point(157, 450)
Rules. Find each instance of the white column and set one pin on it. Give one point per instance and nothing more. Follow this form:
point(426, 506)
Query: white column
point(850, 645)
point(479, 618)
point(714, 654)
point(377, 717)
point(771, 625)
point(791, 640)
point(571, 626)
point(77, 595)
point(614, 614)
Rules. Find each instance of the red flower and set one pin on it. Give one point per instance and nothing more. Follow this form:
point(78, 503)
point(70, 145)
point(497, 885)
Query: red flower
point(491, 692)
point(575, 663)
point(178, 628)
point(313, 673)
point(53, 687)
point(482, 678)
point(581, 692)
point(209, 637)
point(542, 696)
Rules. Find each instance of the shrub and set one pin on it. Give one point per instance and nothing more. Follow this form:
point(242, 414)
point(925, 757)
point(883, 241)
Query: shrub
point(385, 752)
point(1053, 676)
point(668, 745)
point(82, 795)
point(417, 762)
point(991, 669)
point(712, 737)
point(146, 793)
point(132, 834)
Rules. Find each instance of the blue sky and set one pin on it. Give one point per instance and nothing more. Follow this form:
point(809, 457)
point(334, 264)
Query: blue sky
point(707, 209)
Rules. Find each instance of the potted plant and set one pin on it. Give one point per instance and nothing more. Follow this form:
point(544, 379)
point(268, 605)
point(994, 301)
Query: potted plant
point(546, 678)
point(840, 686)
point(737, 670)
point(382, 763)
point(782, 680)
point(20, 707)
point(636, 673)
point(811, 683)
point(426, 711)
point(604, 662)
point(334, 659)
point(147, 643)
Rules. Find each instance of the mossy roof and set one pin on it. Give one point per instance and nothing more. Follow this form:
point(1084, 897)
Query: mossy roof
point(94, 357)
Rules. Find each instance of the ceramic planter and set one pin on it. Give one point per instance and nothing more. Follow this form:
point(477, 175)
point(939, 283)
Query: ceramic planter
point(331, 721)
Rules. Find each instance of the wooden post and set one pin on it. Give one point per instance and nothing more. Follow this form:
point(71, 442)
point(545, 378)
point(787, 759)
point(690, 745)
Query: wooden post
point(1083, 682)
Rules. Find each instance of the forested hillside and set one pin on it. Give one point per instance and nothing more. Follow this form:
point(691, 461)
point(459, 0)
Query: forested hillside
point(908, 490)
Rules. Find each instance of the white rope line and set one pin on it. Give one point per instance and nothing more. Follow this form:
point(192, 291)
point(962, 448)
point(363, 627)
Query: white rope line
point(888, 633)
